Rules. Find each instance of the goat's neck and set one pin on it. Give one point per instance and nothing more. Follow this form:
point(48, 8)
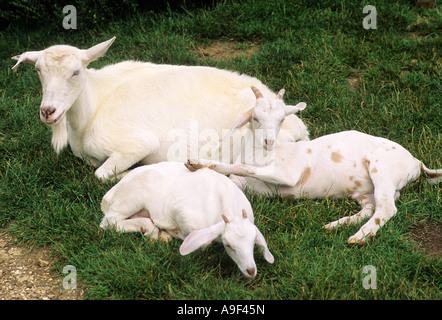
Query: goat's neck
point(83, 109)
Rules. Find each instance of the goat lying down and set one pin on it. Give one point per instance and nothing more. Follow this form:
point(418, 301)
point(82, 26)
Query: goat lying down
point(166, 200)
point(136, 112)
point(370, 169)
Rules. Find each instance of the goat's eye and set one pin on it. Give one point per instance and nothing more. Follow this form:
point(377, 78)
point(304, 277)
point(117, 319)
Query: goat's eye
point(76, 73)
point(256, 119)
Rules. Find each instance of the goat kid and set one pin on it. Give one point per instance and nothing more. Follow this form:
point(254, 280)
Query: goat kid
point(125, 113)
point(166, 200)
point(370, 169)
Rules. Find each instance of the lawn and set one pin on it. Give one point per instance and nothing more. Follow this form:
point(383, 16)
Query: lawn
point(384, 81)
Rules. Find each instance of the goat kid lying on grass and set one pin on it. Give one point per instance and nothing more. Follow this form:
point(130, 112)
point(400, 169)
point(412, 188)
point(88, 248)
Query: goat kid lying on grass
point(370, 169)
point(132, 112)
point(166, 200)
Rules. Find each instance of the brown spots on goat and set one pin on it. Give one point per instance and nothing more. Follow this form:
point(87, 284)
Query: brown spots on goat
point(365, 163)
point(393, 147)
point(305, 175)
point(336, 157)
point(309, 151)
point(351, 178)
point(357, 184)
point(374, 170)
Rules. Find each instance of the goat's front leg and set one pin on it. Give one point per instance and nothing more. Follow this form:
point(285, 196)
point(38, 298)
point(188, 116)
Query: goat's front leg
point(271, 174)
point(368, 204)
point(118, 162)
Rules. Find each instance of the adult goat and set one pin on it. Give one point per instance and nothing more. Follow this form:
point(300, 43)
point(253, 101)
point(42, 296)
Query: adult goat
point(138, 112)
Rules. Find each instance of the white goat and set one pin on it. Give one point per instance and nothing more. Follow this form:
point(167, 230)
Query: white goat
point(370, 169)
point(166, 199)
point(133, 112)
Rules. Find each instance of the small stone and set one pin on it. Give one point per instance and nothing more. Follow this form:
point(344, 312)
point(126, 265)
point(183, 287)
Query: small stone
point(14, 251)
point(42, 263)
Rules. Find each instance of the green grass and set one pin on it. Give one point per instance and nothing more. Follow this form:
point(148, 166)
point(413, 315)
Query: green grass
point(312, 49)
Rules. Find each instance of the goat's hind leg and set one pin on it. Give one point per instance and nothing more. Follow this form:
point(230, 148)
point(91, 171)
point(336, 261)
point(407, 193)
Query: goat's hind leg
point(385, 210)
point(368, 204)
point(123, 224)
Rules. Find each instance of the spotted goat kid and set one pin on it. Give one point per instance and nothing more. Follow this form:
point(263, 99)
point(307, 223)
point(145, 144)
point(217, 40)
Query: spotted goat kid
point(370, 169)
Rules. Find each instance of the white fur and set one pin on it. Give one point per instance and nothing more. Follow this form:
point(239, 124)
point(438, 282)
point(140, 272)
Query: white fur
point(166, 199)
point(125, 113)
point(370, 169)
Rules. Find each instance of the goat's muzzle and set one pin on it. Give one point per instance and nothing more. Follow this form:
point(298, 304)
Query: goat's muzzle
point(251, 272)
point(46, 115)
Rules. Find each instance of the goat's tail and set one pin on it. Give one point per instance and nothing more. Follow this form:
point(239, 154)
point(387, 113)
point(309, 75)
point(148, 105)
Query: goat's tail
point(435, 175)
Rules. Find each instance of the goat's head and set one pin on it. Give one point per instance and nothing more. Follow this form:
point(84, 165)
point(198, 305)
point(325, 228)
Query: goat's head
point(238, 235)
point(61, 69)
point(266, 117)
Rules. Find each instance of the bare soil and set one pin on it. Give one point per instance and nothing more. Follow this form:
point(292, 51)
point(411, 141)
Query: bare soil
point(25, 274)
point(429, 235)
point(226, 49)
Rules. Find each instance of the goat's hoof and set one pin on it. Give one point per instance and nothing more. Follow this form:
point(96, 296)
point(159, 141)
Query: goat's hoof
point(329, 226)
point(193, 165)
point(360, 242)
point(357, 242)
point(164, 236)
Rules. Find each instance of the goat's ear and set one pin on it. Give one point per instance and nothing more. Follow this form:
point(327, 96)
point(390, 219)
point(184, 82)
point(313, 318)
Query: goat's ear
point(27, 57)
point(261, 242)
point(280, 94)
point(200, 238)
point(293, 109)
point(96, 51)
point(241, 121)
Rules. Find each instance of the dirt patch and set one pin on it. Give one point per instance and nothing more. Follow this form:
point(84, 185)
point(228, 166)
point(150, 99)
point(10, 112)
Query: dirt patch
point(429, 235)
point(25, 274)
point(353, 83)
point(226, 49)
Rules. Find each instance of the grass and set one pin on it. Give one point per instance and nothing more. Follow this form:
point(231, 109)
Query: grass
point(383, 82)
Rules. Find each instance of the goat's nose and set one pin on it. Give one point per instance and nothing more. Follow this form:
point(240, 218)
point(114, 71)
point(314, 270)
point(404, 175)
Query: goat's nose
point(251, 272)
point(47, 112)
